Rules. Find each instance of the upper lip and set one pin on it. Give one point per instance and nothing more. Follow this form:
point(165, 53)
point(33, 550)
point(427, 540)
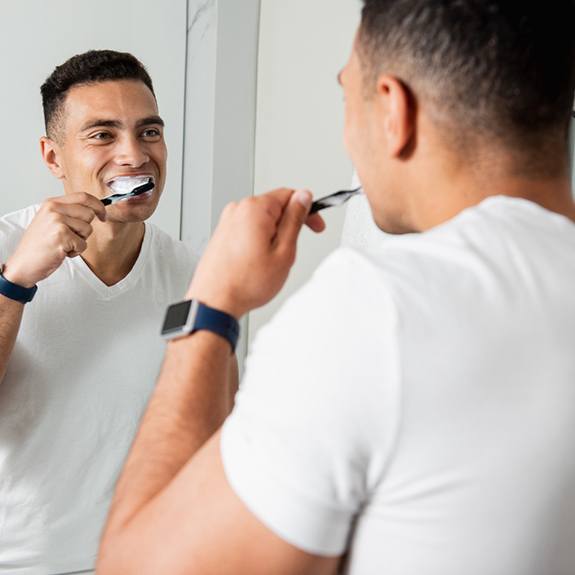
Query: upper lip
point(118, 176)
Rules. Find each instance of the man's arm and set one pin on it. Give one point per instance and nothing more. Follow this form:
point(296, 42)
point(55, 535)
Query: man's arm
point(59, 230)
point(191, 401)
point(234, 380)
point(174, 511)
point(10, 319)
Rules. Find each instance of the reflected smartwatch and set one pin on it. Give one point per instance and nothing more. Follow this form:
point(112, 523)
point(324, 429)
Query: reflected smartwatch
point(186, 317)
point(15, 291)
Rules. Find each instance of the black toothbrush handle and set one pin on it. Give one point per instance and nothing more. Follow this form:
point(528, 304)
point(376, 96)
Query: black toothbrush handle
point(336, 199)
point(141, 189)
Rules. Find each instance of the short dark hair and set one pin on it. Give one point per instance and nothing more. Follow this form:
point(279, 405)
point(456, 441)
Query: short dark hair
point(501, 68)
point(90, 67)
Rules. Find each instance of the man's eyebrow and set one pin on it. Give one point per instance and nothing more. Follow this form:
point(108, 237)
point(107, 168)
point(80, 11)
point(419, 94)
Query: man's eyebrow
point(100, 123)
point(150, 120)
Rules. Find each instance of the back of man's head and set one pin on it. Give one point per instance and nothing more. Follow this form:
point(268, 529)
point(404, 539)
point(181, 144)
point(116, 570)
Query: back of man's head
point(496, 69)
point(88, 68)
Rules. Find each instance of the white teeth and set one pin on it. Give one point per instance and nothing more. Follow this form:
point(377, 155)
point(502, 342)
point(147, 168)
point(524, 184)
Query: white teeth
point(125, 184)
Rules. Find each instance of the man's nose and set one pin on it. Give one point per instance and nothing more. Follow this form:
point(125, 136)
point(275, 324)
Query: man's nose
point(131, 152)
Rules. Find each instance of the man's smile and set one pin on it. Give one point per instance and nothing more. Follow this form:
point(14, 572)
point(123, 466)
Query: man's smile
point(126, 183)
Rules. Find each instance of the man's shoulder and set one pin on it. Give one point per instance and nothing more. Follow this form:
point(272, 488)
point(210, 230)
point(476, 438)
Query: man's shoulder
point(394, 261)
point(18, 220)
point(408, 268)
point(346, 288)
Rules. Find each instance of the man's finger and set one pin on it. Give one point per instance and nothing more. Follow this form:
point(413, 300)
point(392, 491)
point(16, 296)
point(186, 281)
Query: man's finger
point(87, 200)
point(76, 211)
point(74, 245)
point(316, 223)
point(295, 214)
point(79, 227)
point(274, 202)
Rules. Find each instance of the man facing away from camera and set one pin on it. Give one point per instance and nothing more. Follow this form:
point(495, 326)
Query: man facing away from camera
point(411, 410)
point(78, 358)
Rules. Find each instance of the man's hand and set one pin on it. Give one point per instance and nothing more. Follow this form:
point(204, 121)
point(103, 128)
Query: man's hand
point(248, 259)
point(59, 230)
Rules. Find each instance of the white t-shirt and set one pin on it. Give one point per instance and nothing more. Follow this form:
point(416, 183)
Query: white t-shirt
point(415, 404)
point(84, 364)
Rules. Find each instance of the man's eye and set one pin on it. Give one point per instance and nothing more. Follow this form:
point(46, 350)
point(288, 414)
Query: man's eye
point(101, 136)
point(151, 133)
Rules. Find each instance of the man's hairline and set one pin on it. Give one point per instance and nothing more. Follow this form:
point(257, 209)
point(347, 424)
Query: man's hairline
point(444, 122)
point(59, 111)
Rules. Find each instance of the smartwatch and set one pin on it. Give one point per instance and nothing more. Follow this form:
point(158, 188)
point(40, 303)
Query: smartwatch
point(186, 317)
point(15, 291)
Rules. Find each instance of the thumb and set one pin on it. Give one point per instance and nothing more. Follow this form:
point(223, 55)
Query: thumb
point(294, 216)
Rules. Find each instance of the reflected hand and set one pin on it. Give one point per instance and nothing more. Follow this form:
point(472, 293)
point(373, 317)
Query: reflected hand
point(248, 259)
point(59, 230)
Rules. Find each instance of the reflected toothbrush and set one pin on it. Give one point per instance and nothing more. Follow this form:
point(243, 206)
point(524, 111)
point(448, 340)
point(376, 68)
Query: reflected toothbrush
point(138, 190)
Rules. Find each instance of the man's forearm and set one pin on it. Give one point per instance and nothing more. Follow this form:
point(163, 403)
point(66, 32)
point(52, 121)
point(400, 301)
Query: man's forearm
point(10, 319)
point(190, 403)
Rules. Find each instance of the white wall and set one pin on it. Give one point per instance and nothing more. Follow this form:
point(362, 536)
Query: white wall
point(219, 115)
point(299, 126)
point(220, 111)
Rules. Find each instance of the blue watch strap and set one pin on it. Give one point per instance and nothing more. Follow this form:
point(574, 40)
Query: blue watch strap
point(15, 291)
point(218, 322)
point(186, 317)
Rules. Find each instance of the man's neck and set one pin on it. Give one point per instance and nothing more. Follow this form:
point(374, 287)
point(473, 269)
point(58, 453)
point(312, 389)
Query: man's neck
point(113, 249)
point(454, 190)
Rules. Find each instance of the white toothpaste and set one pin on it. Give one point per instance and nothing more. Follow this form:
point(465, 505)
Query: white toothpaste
point(125, 184)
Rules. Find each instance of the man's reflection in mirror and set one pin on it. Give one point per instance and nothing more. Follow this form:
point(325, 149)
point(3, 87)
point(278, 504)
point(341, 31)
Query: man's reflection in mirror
point(79, 356)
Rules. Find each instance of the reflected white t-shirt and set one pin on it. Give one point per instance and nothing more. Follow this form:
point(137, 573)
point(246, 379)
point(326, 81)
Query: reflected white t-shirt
point(414, 403)
point(85, 361)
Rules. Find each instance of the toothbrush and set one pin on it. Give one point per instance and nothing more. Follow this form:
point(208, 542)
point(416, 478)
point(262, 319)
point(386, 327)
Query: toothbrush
point(141, 189)
point(336, 199)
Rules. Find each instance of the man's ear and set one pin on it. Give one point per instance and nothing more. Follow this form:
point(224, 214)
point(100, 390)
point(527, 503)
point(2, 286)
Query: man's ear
point(52, 156)
point(398, 115)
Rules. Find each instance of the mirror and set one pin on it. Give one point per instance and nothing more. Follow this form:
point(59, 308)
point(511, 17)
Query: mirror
point(87, 348)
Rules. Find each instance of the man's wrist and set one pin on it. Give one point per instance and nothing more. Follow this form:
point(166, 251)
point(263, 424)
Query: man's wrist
point(14, 291)
point(208, 337)
point(189, 316)
point(216, 301)
point(13, 275)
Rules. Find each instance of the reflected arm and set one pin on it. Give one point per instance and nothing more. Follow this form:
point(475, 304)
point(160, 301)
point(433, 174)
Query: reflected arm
point(10, 319)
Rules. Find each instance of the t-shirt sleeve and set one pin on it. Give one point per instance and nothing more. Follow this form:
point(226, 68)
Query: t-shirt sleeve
point(12, 228)
point(316, 416)
point(5, 242)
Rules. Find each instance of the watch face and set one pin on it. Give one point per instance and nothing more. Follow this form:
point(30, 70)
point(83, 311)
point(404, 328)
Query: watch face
point(176, 316)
